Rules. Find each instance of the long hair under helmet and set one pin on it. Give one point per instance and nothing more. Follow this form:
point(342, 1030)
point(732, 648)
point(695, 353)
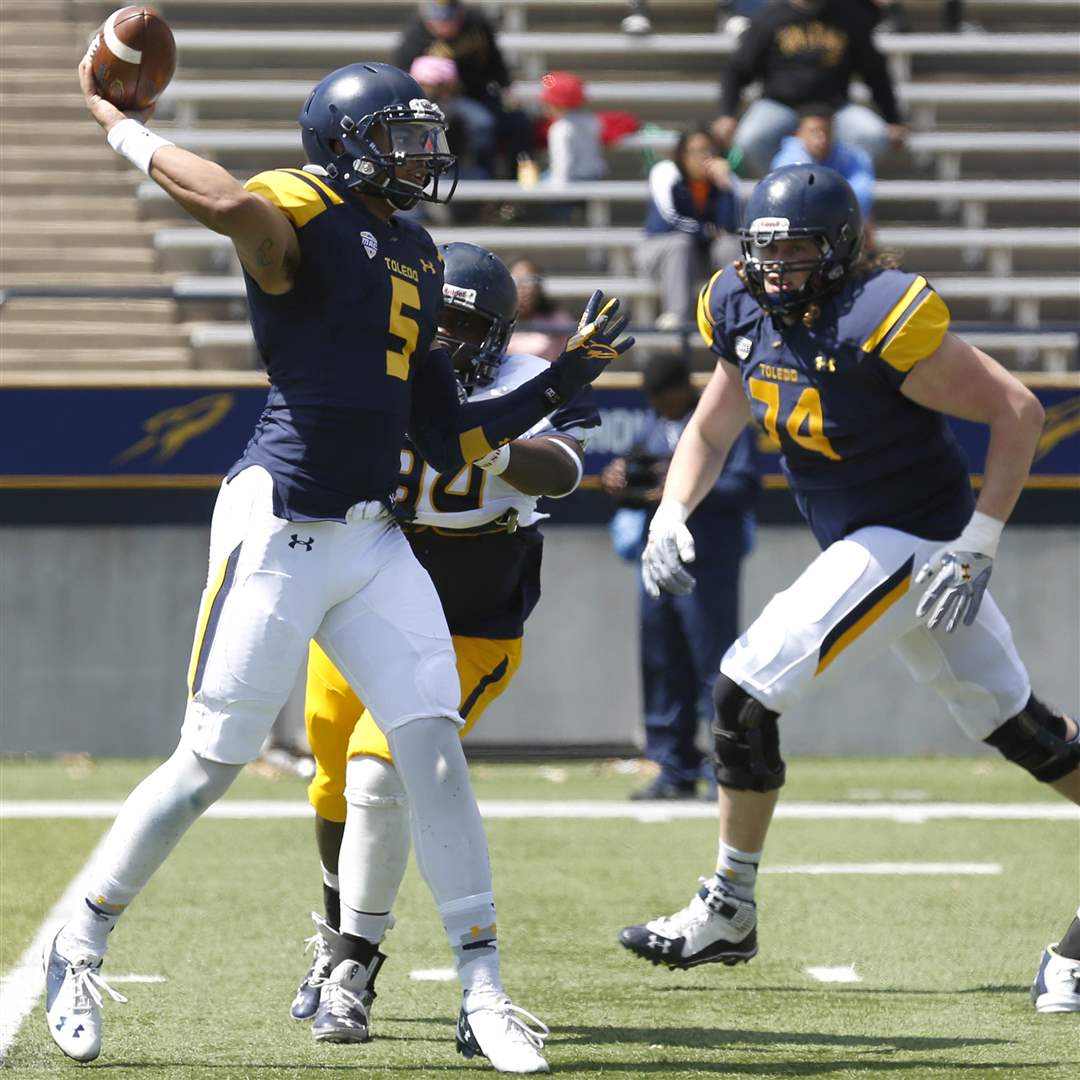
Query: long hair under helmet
point(477, 282)
point(383, 121)
point(790, 203)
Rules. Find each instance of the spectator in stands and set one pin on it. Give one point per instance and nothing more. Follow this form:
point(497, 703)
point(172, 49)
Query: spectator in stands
point(449, 28)
point(438, 78)
point(683, 637)
point(543, 325)
point(689, 224)
point(807, 50)
point(573, 140)
point(813, 141)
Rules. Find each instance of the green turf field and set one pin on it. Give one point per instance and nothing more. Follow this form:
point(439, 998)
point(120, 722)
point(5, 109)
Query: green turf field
point(945, 961)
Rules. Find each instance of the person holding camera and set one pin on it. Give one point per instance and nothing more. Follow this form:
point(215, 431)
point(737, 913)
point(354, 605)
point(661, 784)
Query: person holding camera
point(682, 637)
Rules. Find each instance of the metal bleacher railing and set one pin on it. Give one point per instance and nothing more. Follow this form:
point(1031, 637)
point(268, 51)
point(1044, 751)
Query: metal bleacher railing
point(995, 119)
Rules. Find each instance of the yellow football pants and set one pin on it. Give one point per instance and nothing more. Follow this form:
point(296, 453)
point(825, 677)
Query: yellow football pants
point(339, 727)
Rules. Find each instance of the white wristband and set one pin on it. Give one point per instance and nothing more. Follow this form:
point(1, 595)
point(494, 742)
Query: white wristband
point(495, 462)
point(981, 535)
point(669, 511)
point(136, 143)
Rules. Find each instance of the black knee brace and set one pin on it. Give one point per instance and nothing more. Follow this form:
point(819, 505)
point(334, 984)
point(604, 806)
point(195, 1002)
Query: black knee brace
point(1035, 740)
point(747, 740)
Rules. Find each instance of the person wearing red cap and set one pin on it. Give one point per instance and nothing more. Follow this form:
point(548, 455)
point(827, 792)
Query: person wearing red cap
point(451, 29)
point(574, 148)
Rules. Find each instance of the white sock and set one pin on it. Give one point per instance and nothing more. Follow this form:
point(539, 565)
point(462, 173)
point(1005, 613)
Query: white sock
point(737, 870)
point(150, 824)
point(470, 928)
point(374, 847)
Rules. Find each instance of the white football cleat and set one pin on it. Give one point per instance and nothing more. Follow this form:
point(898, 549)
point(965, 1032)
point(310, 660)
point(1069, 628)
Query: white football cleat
point(503, 1033)
point(714, 928)
point(306, 1001)
point(1056, 988)
point(73, 989)
point(344, 1012)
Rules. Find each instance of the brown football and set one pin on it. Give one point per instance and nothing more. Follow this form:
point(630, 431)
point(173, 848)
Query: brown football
point(133, 56)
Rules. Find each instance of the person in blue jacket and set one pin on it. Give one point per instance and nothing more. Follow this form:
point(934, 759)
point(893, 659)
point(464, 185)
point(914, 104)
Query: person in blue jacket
point(683, 638)
point(813, 144)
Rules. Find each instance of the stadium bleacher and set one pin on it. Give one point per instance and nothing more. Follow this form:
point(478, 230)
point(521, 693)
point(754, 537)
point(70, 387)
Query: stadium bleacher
point(985, 199)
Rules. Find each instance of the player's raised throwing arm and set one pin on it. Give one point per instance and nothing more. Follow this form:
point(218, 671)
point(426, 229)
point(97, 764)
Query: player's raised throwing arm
point(264, 237)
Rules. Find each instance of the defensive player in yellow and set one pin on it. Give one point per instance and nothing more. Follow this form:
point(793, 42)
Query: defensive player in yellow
point(475, 525)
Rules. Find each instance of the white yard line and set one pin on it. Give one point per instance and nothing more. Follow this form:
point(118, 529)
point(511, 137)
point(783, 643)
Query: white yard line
point(21, 988)
point(913, 813)
point(844, 973)
point(433, 974)
point(891, 868)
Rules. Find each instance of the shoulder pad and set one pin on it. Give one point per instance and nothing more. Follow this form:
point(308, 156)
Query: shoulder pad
point(905, 320)
point(299, 194)
point(722, 290)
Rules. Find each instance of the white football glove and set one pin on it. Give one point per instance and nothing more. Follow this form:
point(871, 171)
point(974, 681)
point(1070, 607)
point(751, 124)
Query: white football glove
point(670, 546)
point(959, 573)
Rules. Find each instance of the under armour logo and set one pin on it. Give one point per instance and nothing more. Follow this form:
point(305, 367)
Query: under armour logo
point(823, 364)
point(660, 944)
point(300, 540)
point(428, 266)
point(78, 1031)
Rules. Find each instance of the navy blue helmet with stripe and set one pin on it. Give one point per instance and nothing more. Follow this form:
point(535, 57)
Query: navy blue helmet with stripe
point(793, 202)
point(480, 307)
point(370, 127)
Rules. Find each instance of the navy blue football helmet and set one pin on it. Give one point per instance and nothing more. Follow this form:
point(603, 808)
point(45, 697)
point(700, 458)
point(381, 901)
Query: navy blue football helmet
point(793, 202)
point(480, 307)
point(370, 127)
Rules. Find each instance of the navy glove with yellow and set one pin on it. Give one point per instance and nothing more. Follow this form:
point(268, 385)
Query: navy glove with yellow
point(589, 350)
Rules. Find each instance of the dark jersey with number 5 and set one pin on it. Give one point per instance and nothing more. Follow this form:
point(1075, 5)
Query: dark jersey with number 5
point(854, 449)
point(339, 348)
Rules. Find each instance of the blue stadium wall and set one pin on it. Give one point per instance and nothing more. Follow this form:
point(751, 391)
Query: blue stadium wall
point(106, 494)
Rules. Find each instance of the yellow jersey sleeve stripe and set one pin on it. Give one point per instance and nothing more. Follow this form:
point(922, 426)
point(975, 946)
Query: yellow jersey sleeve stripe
point(704, 319)
point(209, 616)
point(474, 444)
point(919, 334)
point(320, 185)
point(301, 202)
point(890, 320)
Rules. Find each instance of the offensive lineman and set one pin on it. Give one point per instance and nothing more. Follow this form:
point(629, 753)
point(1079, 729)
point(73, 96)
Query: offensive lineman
point(850, 366)
point(344, 299)
point(476, 533)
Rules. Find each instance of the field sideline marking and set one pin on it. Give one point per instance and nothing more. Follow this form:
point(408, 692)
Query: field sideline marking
point(901, 869)
point(913, 813)
point(20, 990)
point(844, 973)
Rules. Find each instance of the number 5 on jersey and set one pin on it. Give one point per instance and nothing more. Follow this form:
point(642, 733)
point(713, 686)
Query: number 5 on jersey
point(405, 295)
